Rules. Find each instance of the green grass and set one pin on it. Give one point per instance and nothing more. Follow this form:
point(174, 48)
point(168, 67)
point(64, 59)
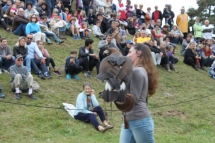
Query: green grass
point(191, 122)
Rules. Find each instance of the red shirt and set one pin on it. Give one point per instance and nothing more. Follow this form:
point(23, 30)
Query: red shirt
point(156, 15)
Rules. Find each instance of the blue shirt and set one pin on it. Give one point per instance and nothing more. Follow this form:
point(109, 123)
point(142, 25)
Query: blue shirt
point(32, 28)
point(33, 48)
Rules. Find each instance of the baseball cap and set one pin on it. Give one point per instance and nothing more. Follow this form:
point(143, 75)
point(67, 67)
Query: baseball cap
point(130, 42)
point(19, 56)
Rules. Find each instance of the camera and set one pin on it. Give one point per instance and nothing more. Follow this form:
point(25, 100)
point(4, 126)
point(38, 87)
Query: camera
point(72, 57)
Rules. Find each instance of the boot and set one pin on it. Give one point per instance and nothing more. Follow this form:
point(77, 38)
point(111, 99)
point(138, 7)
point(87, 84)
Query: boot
point(62, 35)
point(168, 68)
point(59, 41)
point(173, 67)
point(49, 41)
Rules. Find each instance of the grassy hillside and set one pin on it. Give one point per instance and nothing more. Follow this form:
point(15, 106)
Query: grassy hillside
point(189, 122)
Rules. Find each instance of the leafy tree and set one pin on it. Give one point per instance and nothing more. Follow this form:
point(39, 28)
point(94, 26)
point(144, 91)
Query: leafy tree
point(206, 10)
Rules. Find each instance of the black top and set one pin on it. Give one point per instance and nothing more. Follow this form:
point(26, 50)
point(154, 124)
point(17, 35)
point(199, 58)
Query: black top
point(20, 50)
point(86, 2)
point(125, 51)
point(189, 53)
point(140, 13)
point(82, 54)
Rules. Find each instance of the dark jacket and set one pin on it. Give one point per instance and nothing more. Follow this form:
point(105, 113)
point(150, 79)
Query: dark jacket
point(159, 17)
point(189, 53)
point(154, 49)
point(125, 51)
point(20, 50)
point(82, 54)
point(17, 20)
point(68, 62)
point(140, 13)
point(166, 15)
point(131, 28)
point(47, 12)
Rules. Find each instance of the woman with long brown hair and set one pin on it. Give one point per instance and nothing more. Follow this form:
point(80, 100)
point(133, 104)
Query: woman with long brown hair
point(143, 83)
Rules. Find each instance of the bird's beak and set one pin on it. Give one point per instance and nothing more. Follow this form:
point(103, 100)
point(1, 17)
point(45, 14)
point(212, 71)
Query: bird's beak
point(106, 53)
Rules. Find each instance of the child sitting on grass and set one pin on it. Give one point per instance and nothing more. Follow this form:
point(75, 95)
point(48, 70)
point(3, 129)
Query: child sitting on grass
point(84, 31)
point(74, 30)
point(47, 57)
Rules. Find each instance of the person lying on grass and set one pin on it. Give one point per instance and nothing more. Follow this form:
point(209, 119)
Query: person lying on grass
point(88, 108)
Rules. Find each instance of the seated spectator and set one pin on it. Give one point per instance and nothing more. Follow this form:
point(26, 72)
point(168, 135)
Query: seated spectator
point(6, 58)
point(191, 58)
point(58, 26)
point(47, 57)
point(126, 49)
point(172, 58)
point(59, 5)
point(3, 3)
point(32, 49)
point(75, 15)
point(136, 36)
point(19, 23)
point(38, 5)
point(158, 34)
point(165, 58)
point(104, 44)
point(208, 56)
point(20, 48)
point(33, 28)
point(130, 27)
point(82, 17)
point(45, 11)
point(104, 23)
point(91, 17)
point(122, 31)
point(1, 94)
point(177, 35)
point(118, 38)
point(44, 28)
point(12, 11)
point(155, 52)
point(68, 15)
point(143, 37)
point(84, 30)
point(88, 108)
point(72, 67)
point(168, 43)
point(30, 11)
point(165, 31)
point(4, 20)
point(21, 80)
point(74, 29)
point(7, 5)
point(97, 31)
point(185, 43)
point(88, 59)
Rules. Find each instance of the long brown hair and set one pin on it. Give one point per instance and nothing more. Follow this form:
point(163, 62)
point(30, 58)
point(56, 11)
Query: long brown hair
point(146, 61)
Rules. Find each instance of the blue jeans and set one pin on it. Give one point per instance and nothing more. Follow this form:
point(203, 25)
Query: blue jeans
point(51, 4)
point(63, 16)
point(27, 63)
point(20, 30)
point(32, 1)
point(5, 64)
point(62, 29)
point(51, 34)
point(37, 62)
point(86, 9)
point(140, 131)
point(90, 117)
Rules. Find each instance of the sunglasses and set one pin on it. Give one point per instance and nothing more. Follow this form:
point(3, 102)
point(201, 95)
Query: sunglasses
point(20, 60)
point(29, 38)
point(143, 33)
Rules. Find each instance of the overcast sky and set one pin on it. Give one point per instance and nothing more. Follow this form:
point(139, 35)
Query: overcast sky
point(176, 4)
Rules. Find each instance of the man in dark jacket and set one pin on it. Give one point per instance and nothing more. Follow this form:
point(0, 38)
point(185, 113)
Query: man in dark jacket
point(19, 23)
point(72, 67)
point(140, 14)
point(88, 60)
point(6, 58)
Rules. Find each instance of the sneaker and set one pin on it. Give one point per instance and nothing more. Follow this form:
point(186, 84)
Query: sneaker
point(5, 71)
point(41, 76)
point(87, 74)
point(76, 77)
point(2, 95)
point(32, 96)
point(47, 75)
point(74, 37)
point(17, 96)
point(213, 76)
point(210, 71)
point(68, 77)
point(57, 73)
point(79, 37)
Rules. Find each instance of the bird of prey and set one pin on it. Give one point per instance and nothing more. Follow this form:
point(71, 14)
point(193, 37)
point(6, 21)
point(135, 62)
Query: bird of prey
point(116, 70)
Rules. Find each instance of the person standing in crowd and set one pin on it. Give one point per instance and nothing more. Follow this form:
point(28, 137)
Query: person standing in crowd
point(207, 30)
point(88, 108)
point(129, 8)
point(182, 22)
point(141, 14)
point(38, 5)
point(149, 12)
point(157, 14)
point(21, 79)
point(19, 23)
point(72, 66)
point(197, 27)
point(169, 15)
point(88, 59)
point(6, 58)
point(141, 125)
point(135, 10)
point(121, 9)
point(86, 6)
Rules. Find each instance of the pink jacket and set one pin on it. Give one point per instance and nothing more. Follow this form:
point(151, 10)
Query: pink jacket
point(44, 52)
